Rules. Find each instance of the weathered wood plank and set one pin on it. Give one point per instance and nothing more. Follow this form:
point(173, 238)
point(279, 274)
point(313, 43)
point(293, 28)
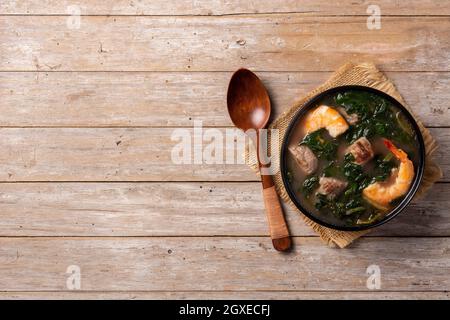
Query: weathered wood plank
point(184, 264)
point(268, 43)
point(105, 155)
point(176, 99)
point(165, 209)
point(125, 154)
point(221, 7)
point(130, 209)
point(208, 295)
point(442, 137)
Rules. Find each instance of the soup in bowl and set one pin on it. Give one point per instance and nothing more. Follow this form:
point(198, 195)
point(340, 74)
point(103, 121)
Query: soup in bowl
point(352, 158)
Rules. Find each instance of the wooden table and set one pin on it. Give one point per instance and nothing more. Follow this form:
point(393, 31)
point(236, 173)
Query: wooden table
point(88, 106)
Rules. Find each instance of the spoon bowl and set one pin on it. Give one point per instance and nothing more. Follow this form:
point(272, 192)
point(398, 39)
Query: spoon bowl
point(248, 101)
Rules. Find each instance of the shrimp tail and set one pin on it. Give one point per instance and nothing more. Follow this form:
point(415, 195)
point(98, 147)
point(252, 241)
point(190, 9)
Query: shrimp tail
point(398, 153)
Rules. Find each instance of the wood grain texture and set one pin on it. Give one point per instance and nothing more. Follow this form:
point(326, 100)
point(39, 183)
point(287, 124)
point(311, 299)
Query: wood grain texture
point(230, 295)
point(141, 227)
point(165, 209)
point(171, 264)
point(222, 7)
point(104, 155)
point(126, 154)
point(262, 43)
point(177, 98)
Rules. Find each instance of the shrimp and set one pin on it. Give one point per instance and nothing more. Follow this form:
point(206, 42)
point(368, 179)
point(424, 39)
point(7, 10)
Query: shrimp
point(328, 118)
point(380, 194)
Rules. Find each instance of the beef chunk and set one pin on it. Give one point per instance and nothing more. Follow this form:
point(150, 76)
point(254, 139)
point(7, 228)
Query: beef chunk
point(361, 150)
point(351, 118)
point(305, 158)
point(331, 187)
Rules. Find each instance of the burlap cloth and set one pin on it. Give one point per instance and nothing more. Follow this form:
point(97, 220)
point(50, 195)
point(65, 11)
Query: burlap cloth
point(365, 74)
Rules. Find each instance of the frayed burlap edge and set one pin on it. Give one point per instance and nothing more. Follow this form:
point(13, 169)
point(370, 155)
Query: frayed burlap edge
point(365, 74)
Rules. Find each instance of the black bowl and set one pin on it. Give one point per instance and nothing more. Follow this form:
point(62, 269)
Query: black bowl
point(414, 186)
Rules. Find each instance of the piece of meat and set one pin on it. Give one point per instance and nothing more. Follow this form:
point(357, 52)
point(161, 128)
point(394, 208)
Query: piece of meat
point(362, 150)
point(305, 158)
point(351, 118)
point(331, 187)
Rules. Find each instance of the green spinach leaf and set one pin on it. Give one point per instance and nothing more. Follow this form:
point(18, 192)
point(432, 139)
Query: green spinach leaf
point(309, 185)
point(383, 167)
point(322, 147)
point(376, 117)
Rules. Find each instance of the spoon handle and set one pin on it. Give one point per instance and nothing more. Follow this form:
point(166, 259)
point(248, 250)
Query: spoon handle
point(279, 232)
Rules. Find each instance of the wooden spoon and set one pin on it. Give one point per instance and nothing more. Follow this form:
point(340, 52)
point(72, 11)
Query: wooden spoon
point(249, 108)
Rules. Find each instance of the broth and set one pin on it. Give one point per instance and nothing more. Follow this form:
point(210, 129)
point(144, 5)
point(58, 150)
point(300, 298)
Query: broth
point(373, 119)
